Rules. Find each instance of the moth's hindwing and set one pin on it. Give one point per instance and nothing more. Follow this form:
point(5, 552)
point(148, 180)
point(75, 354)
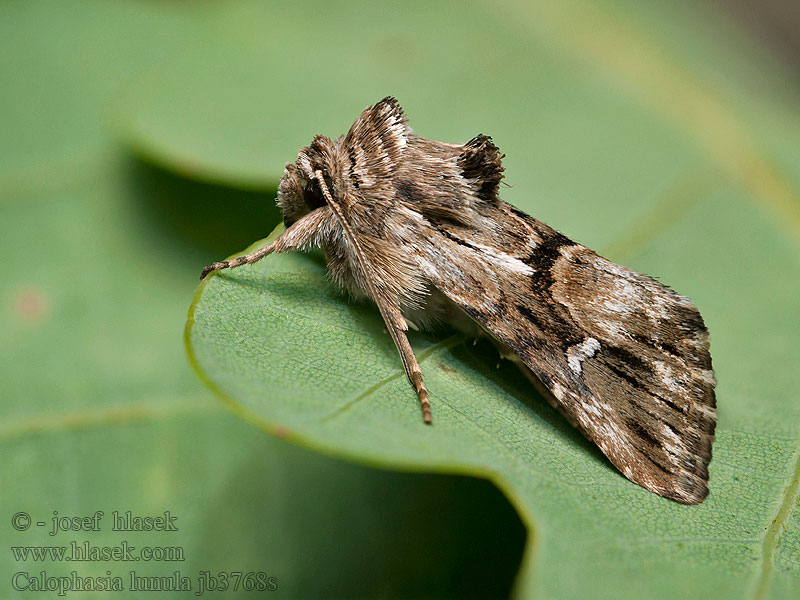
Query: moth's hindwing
point(625, 358)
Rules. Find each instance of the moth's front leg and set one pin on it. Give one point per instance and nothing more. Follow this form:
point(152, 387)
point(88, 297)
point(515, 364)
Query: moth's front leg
point(302, 233)
point(397, 327)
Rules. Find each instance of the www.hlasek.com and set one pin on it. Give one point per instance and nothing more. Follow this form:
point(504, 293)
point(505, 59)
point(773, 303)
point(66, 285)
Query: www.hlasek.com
point(88, 552)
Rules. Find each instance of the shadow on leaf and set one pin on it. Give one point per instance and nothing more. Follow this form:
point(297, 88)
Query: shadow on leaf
point(202, 219)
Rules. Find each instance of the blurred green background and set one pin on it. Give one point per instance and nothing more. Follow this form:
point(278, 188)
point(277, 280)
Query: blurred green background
point(142, 139)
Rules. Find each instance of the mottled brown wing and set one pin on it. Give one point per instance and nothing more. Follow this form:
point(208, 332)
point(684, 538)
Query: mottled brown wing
point(625, 358)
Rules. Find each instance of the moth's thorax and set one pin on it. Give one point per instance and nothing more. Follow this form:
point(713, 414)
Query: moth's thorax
point(380, 162)
point(385, 183)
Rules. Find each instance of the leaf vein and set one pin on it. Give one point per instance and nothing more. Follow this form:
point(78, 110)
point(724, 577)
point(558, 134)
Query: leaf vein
point(449, 342)
point(775, 529)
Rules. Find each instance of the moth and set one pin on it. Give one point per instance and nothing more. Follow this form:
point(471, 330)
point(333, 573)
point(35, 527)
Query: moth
point(417, 227)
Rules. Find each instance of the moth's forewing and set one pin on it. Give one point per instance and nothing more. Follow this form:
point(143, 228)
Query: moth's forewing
point(626, 358)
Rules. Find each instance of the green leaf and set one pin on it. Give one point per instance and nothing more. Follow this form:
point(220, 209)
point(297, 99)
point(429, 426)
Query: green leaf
point(666, 145)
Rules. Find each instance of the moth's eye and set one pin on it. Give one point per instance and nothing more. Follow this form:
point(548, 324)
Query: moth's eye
point(312, 195)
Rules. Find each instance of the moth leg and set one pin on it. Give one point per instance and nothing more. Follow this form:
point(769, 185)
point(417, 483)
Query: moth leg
point(397, 329)
point(300, 234)
point(239, 260)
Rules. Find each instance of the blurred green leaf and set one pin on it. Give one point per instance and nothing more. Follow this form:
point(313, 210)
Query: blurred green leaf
point(660, 135)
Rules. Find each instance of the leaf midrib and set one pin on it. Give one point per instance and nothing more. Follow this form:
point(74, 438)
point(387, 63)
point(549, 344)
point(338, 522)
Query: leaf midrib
point(769, 544)
point(52, 422)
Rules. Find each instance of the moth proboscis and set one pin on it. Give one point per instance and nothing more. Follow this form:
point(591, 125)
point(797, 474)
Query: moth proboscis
point(417, 227)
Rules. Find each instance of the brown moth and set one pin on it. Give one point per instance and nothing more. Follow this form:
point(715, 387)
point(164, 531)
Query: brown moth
point(417, 227)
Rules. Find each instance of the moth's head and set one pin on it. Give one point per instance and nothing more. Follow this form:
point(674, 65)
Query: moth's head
point(357, 166)
point(299, 191)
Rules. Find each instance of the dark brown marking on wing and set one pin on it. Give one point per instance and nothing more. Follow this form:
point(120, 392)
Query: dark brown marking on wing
point(351, 154)
point(543, 258)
